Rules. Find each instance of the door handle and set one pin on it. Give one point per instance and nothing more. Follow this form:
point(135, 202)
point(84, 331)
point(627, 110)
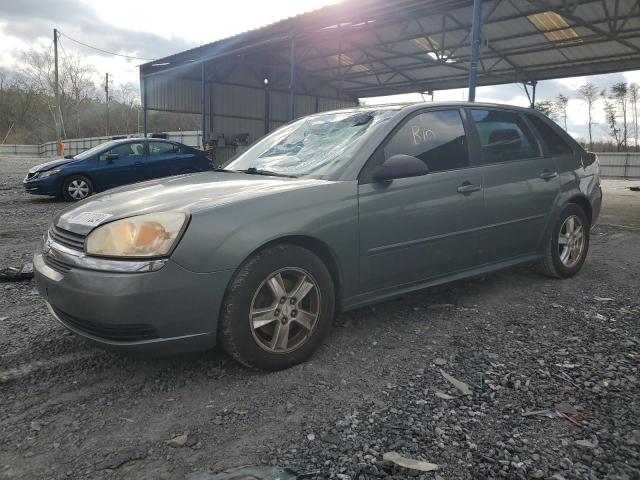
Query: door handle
point(137, 163)
point(547, 175)
point(468, 188)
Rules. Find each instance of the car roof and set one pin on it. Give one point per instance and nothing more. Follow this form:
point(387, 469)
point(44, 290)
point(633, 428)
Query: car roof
point(138, 139)
point(411, 106)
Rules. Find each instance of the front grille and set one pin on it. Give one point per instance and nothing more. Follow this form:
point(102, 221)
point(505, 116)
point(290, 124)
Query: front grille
point(67, 238)
point(56, 264)
point(130, 332)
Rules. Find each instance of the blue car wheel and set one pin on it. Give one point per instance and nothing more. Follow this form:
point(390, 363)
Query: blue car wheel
point(76, 187)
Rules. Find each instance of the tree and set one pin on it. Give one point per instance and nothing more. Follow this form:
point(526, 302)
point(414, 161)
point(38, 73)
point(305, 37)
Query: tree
point(548, 108)
point(620, 98)
point(589, 94)
point(78, 87)
point(634, 96)
point(562, 101)
point(38, 74)
point(612, 118)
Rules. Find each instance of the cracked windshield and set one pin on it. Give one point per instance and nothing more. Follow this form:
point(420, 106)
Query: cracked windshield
point(314, 146)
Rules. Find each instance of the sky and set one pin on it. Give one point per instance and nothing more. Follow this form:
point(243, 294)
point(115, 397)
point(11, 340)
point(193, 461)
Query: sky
point(154, 29)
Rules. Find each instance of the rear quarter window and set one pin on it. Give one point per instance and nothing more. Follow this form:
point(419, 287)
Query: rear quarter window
point(552, 139)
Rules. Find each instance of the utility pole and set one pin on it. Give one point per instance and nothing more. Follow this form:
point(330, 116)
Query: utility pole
point(56, 90)
point(106, 92)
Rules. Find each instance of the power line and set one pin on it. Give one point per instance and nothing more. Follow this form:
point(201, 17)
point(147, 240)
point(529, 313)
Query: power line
point(101, 50)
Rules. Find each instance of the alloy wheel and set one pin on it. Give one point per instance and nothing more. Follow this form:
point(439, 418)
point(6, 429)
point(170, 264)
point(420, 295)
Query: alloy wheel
point(285, 310)
point(571, 241)
point(78, 189)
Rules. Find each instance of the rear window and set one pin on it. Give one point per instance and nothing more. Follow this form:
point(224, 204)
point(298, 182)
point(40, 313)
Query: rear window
point(163, 148)
point(555, 143)
point(504, 136)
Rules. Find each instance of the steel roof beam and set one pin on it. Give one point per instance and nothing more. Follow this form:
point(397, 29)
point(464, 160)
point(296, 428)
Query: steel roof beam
point(537, 48)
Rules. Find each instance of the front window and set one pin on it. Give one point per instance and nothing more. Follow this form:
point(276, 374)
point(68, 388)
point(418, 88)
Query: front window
point(437, 138)
point(312, 146)
point(93, 150)
point(124, 150)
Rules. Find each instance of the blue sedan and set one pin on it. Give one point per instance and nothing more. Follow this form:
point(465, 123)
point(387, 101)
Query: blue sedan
point(113, 164)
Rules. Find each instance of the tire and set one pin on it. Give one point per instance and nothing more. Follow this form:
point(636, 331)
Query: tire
point(76, 188)
point(556, 263)
point(252, 314)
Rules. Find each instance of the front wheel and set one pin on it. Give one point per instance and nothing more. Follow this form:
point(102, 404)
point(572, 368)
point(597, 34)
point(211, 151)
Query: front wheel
point(76, 187)
point(278, 308)
point(567, 246)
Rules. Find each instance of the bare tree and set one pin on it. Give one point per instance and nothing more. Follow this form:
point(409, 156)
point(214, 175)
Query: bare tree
point(562, 101)
point(38, 74)
point(613, 123)
point(548, 108)
point(620, 97)
point(589, 94)
point(127, 95)
point(78, 86)
point(634, 96)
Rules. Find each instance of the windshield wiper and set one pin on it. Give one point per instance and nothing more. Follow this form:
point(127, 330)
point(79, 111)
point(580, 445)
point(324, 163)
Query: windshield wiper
point(256, 171)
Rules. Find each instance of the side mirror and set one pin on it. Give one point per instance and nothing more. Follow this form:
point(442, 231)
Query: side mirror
point(110, 157)
point(400, 166)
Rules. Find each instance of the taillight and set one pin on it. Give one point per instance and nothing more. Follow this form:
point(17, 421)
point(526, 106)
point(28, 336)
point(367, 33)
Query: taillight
point(209, 157)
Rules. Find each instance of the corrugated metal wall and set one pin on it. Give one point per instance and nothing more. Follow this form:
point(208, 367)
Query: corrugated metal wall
point(237, 105)
point(620, 165)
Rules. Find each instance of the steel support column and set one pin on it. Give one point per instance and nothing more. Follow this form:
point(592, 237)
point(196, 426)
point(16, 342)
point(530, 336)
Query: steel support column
point(267, 107)
point(203, 114)
point(144, 106)
point(292, 77)
point(475, 48)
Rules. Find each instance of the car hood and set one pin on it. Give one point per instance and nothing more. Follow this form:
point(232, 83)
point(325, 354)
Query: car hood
point(52, 164)
point(189, 193)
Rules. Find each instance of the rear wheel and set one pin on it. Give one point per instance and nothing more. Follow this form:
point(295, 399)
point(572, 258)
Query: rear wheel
point(76, 187)
point(278, 308)
point(568, 243)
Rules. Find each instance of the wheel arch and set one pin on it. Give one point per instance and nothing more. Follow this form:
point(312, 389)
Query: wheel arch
point(583, 203)
point(323, 251)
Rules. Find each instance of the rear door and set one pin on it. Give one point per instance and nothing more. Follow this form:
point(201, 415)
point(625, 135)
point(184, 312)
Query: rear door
point(120, 165)
point(165, 159)
point(520, 185)
point(419, 228)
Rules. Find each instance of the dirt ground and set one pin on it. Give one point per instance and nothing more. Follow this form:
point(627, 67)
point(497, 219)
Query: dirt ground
point(521, 341)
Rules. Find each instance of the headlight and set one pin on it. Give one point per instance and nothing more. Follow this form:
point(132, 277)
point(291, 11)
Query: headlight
point(151, 235)
point(50, 173)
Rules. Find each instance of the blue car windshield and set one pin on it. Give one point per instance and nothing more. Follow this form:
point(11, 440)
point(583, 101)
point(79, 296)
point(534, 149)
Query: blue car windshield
point(312, 146)
point(92, 151)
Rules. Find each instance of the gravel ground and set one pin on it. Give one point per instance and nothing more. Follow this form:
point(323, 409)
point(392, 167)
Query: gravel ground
point(523, 343)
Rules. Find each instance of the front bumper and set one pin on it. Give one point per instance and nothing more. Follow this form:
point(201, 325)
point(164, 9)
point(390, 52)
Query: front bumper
point(45, 186)
point(168, 311)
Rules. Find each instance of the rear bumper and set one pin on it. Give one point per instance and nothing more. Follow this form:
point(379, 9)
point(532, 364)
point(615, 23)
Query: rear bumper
point(172, 310)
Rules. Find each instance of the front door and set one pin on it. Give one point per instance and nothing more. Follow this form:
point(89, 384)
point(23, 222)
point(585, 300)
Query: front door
point(121, 165)
point(420, 228)
point(520, 186)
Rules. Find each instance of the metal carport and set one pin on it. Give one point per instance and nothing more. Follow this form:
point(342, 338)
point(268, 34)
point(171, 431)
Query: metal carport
point(328, 58)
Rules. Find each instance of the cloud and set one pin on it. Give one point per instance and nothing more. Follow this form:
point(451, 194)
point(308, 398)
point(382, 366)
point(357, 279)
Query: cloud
point(34, 20)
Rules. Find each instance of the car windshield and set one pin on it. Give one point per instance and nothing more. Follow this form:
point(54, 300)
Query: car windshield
point(92, 151)
point(312, 146)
